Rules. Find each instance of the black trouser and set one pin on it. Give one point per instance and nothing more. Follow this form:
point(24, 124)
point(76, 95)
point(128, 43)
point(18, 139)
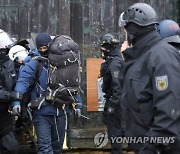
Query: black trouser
point(113, 122)
point(9, 144)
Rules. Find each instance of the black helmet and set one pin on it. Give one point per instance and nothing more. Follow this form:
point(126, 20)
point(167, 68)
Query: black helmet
point(108, 40)
point(141, 14)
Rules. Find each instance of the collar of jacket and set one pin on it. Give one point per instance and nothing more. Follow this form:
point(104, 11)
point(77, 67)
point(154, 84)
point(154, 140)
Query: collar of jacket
point(142, 46)
point(3, 60)
point(113, 53)
point(173, 39)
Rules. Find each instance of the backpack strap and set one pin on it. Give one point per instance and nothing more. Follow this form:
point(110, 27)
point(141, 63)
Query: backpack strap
point(37, 74)
point(27, 95)
point(38, 71)
point(42, 61)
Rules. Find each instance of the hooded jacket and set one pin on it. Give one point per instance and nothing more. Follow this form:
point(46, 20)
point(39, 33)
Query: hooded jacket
point(27, 74)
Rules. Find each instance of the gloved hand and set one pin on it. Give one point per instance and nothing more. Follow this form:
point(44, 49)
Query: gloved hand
point(16, 96)
point(111, 109)
point(16, 110)
point(78, 112)
point(112, 106)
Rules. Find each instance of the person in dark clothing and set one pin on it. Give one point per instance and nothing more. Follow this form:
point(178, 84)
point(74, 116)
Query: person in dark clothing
point(8, 143)
point(110, 71)
point(150, 78)
point(49, 121)
point(169, 31)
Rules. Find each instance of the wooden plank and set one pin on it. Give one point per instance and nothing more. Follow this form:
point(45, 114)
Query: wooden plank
point(93, 71)
point(64, 17)
point(9, 19)
point(23, 30)
point(85, 133)
point(78, 137)
point(80, 143)
point(76, 21)
point(85, 20)
point(94, 121)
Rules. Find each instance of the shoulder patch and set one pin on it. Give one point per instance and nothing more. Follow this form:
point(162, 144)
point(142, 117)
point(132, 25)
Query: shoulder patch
point(116, 74)
point(161, 82)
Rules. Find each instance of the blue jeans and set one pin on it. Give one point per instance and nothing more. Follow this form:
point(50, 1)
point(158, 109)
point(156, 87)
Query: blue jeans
point(50, 131)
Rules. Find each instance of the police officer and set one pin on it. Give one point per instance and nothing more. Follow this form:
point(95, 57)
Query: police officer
point(8, 143)
point(169, 30)
point(110, 71)
point(150, 90)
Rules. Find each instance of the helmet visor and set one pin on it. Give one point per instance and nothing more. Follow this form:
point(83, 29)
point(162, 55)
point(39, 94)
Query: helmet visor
point(122, 22)
point(21, 54)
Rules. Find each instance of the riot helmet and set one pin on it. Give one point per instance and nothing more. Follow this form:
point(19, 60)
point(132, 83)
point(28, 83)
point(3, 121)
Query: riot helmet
point(138, 20)
point(5, 43)
point(168, 28)
point(18, 53)
point(108, 41)
point(5, 40)
point(141, 14)
point(108, 44)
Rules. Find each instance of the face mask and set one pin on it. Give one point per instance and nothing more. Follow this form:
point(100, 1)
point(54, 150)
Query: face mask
point(44, 53)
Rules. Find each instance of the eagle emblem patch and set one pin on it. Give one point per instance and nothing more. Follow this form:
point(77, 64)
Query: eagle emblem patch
point(162, 82)
point(116, 74)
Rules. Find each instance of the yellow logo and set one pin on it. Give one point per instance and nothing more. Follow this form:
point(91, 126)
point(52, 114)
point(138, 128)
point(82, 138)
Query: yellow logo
point(162, 82)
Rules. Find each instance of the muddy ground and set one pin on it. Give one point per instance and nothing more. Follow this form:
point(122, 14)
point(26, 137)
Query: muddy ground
point(32, 150)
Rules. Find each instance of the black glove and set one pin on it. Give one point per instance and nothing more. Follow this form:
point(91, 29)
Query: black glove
point(112, 107)
point(14, 96)
point(114, 103)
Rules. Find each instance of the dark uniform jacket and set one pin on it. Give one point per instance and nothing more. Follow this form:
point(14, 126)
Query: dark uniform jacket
point(110, 71)
point(174, 41)
point(7, 83)
point(151, 91)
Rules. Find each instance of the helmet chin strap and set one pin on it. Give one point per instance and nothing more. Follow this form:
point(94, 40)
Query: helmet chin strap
point(130, 38)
